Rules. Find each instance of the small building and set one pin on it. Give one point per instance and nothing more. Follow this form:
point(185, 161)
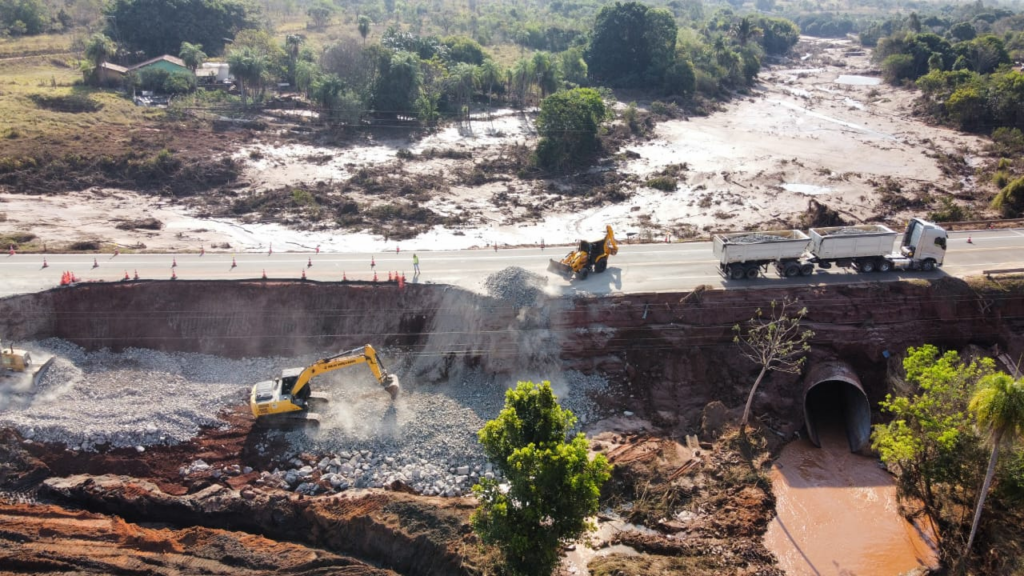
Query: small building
point(170, 64)
point(214, 73)
point(110, 74)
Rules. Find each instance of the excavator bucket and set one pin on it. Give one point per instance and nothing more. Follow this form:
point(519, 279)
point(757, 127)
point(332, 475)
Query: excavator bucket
point(560, 268)
point(392, 387)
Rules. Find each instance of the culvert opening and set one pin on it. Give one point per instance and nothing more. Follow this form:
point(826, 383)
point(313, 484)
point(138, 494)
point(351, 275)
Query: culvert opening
point(835, 403)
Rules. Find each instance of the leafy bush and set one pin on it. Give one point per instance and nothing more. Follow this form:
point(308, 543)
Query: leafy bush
point(663, 183)
point(1010, 200)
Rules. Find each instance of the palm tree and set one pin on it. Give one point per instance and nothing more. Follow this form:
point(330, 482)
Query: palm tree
point(745, 31)
point(364, 27)
point(99, 48)
point(248, 66)
point(192, 55)
point(488, 74)
point(998, 404)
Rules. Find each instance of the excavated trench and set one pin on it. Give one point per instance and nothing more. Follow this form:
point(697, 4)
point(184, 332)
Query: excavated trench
point(668, 356)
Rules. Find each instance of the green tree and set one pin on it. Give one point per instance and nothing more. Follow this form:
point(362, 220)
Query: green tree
point(488, 75)
point(248, 66)
point(159, 27)
point(192, 55)
point(631, 45)
point(998, 405)
point(99, 49)
point(775, 343)
point(20, 17)
point(397, 84)
point(553, 486)
point(321, 14)
point(930, 440)
point(568, 124)
point(1010, 200)
point(364, 27)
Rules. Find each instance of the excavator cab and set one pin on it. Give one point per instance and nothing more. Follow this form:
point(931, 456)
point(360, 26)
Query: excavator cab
point(588, 257)
point(290, 397)
point(15, 360)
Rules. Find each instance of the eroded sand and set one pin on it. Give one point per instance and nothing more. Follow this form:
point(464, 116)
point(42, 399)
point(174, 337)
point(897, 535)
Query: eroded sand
point(800, 135)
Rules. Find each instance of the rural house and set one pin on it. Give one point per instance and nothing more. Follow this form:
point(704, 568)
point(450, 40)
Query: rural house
point(170, 64)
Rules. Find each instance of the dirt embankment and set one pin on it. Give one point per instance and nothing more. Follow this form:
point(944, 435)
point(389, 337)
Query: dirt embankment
point(672, 354)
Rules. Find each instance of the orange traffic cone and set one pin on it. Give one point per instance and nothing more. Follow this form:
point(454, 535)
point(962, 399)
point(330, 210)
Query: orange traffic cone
point(11, 252)
point(202, 251)
point(309, 264)
point(401, 282)
point(403, 277)
point(373, 263)
point(317, 248)
point(116, 252)
point(233, 263)
point(271, 250)
point(45, 265)
point(174, 263)
point(374, 275)
point(969, 241)
point(344, 278)
point(264, 273)
point(398, 249)
point(126, 278)
point(389, 276)
point(303, 273)
point(174, 275)
point(136, 275)
point(95, 264)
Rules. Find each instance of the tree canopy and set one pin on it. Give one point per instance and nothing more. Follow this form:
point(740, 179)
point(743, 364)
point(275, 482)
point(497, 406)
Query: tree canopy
point(632, 45)
point(158, 27)
point(567, 125)
point(553, 486)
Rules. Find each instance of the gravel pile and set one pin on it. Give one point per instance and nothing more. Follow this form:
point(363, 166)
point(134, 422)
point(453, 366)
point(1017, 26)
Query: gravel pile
point(426, 440)
point(516, 286)
point(851, 231)
point(132, 398)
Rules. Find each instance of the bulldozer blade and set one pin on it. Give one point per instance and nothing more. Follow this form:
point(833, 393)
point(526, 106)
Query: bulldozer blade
point(559, 268)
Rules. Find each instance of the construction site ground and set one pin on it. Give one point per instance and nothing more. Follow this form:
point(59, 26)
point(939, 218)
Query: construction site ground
point(653, 378)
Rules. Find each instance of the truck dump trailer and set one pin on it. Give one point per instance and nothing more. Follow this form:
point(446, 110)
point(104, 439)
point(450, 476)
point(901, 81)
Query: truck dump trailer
point(744, 254)
point(866, 248)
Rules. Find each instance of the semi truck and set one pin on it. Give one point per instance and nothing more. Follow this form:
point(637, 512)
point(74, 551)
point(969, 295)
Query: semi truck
point(865, 248)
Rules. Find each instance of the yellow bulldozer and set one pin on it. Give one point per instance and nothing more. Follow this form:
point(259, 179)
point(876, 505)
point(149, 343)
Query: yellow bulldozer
point(288, 399)
point(586, 258)
point(14, 359)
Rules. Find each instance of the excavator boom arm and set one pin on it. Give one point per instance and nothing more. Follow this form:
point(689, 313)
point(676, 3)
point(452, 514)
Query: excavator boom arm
point(358, 356)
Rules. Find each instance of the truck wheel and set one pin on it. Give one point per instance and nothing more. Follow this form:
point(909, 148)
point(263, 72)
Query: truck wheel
point(736, 272)
point(807, 269)
point(582, 274)
point(792, 269)
point(928, 265)
point(866, 266)
point(884, 265)
point(601, 265)
point(752, 272)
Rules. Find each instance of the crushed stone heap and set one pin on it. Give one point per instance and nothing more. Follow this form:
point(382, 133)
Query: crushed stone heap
point(515, 285)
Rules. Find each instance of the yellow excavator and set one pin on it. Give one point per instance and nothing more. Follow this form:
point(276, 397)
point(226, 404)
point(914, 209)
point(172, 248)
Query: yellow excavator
point(289, 397)
point(588, 257)
point(15, 360)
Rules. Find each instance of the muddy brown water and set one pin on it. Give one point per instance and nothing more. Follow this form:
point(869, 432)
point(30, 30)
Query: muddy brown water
point(837, 512)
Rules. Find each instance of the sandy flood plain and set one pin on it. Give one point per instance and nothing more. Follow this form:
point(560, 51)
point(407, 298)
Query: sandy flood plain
point(818, 126)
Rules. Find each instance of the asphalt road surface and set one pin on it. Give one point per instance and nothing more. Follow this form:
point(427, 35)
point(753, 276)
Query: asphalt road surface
point(637, 268)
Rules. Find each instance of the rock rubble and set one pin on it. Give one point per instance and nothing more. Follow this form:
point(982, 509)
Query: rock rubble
point(515, 286)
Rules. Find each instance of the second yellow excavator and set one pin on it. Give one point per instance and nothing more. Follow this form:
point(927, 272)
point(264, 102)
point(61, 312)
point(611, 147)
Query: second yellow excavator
point(588, 257)
point(289, 397)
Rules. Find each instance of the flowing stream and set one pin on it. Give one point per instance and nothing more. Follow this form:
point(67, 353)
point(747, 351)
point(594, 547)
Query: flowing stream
point(837, 512)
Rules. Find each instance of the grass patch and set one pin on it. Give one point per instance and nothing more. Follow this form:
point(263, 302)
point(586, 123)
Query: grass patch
point(74, 103)
point(663, 183)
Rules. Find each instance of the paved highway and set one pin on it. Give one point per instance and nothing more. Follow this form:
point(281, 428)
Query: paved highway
point(637, 268)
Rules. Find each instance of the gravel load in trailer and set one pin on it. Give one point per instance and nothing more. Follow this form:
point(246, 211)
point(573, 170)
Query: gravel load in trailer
point(869, 240)
point(743, 254)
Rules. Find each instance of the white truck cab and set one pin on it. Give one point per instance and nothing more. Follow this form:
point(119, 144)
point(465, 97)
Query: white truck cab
point(924, 244)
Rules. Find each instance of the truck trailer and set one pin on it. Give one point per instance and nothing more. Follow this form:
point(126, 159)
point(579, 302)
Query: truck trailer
point(865, 248)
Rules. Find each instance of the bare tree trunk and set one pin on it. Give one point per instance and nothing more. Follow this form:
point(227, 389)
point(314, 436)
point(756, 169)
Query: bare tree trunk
point(984, 490)
point(750, 400)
